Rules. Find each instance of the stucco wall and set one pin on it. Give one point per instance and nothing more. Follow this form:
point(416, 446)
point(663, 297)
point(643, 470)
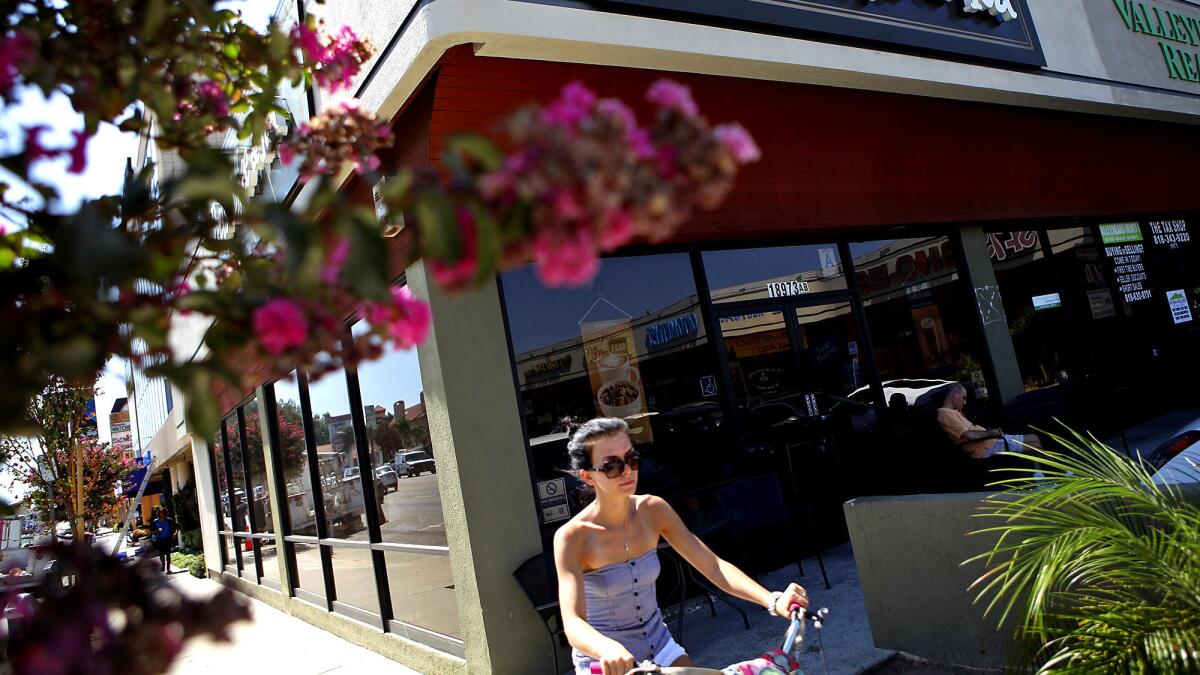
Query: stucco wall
point(909, 551)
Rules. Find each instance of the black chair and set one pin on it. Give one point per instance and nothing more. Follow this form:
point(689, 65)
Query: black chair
point(539, 580)
point(757, 514)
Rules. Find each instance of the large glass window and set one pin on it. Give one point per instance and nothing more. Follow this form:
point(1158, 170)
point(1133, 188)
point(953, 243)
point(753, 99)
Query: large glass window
point(406, 484)
point(1033, 306)
point(633, 345)
point(259, 492)
point(300, 507)
point(342, 492)
point(923, 323)
point(776, 272)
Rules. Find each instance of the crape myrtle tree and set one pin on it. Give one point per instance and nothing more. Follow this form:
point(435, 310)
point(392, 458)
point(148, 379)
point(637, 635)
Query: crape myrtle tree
point(566, 181)
point(43, 460)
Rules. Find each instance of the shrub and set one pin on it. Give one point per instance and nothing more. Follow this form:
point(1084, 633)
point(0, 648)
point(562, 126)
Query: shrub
point(197, 568)
point(192, 541)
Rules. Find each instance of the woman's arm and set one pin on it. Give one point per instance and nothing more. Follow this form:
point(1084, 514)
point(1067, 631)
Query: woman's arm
point(723, 574)
point(568, 556)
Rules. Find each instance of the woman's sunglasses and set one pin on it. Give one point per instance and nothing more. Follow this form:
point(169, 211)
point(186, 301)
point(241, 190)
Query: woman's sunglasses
point(615, 466)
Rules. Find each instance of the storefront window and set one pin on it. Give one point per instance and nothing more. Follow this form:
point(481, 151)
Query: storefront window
point(923, 323)
point(345, 507)
point(406, 484)
point(1033, 307)
point(241, 496)
point(260, 497)
point(766, 273)
point(297, 478)
point(630, 345)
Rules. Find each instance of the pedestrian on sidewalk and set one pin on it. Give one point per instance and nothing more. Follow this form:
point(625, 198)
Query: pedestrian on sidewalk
point(164, 536)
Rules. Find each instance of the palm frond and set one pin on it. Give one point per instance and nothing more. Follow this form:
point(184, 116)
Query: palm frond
point(1094, 561)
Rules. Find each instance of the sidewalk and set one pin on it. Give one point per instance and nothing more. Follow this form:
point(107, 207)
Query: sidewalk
point(273, 642)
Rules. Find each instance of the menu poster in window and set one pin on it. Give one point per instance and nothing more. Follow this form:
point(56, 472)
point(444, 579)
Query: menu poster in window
point(616, 379)
point(1125, 250)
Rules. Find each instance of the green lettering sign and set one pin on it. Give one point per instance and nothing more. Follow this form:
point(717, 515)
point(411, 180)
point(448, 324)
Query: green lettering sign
point(1170, 26)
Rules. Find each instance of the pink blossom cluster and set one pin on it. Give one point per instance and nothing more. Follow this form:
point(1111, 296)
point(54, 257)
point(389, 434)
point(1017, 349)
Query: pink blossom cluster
point(15, 50)
point(462, 270)
point(280, 325)
point(405, 319)
point(336, 58)
point(343, 133)
point(77, 153)
point(595, 179)
point(213, 98)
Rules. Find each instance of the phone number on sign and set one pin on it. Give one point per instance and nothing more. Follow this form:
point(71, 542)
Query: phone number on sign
point(1175, 238)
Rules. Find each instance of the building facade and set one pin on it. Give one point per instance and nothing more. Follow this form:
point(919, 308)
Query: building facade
point(991, 192)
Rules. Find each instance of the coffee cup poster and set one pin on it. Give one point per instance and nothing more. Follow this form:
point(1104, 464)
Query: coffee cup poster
point(617, 389)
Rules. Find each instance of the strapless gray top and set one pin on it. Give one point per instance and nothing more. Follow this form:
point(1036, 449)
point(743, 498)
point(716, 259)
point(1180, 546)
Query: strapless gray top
point(622, 605)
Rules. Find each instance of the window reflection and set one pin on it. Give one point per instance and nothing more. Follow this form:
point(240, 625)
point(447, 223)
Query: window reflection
point(1033, 306)
point(776, 272)
point(338, 471)
point(256, 473)
point(922, 320)
point(406, 483)
point(297, 478)
point(233, 454)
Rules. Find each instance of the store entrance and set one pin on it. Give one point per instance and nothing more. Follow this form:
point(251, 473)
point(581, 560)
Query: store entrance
point(805, 408)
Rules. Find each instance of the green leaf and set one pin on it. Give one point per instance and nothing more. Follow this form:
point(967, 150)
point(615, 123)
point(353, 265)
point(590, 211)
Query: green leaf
point(488, 242)
point(439, 228)
point(156, 13)
point(475, 147)
point(7, 258)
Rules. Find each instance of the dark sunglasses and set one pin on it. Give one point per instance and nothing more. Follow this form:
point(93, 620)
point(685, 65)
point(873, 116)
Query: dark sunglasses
point(615, 466)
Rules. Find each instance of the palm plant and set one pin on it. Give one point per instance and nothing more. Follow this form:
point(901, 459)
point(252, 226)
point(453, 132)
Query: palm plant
point(1098, 565)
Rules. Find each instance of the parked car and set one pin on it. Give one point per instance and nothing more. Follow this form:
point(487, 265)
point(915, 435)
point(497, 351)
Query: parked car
point(386, 477)
point(414, 462)
point(350, 472)
point(1178, 459)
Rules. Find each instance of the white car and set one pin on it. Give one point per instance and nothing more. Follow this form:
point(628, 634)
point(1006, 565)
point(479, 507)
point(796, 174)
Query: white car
point(916, 391)
point(1178, 460)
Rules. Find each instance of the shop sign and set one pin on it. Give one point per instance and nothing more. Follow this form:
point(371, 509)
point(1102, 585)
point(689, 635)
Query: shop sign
point(1002, 245)
point(1047, 301)
point(906, 268)
point(1177, 301)
point(549, 368)
point(1177, 35)
point(1169, 233)
point(782, 289)
point(671, 330)
point(758, 344)
point(552, 495)
point(1120, 233)
point(1126, 256)
point(991, 29)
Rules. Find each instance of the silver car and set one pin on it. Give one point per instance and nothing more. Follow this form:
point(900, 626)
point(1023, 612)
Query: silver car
point(386, 477)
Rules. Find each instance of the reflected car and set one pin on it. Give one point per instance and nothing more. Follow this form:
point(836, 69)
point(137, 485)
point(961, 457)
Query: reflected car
point(414, 463)
point(387, 478)
point(918, 392)
point(1178, 459)
point(350, 472)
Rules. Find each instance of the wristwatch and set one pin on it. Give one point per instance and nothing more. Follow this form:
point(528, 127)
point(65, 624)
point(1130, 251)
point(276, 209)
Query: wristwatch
point(771, 603)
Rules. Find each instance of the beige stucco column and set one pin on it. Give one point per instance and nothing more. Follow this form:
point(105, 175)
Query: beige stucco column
point(206, 500)
point(483, 475)
point(991, 312)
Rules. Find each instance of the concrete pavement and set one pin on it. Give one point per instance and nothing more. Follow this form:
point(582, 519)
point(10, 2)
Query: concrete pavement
point(274, 642)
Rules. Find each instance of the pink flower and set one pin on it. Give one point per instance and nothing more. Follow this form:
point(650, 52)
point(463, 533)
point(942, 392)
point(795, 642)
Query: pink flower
point(617, 232)
point(571, 107)
point(309, 42)
point(78, 152)
point(214, 96)
point(566, 206)
point(672, 95)
point(565, 260)
point(642, 146)
point(462, 271)
point(337, 258)
point(409, 318)
point(34, 150)
point(738, 142)
point(616, 109)
point(280, 325)
point(371, 163)
point(286, 154)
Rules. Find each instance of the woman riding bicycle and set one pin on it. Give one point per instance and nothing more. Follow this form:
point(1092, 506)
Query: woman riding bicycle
point(607, 561)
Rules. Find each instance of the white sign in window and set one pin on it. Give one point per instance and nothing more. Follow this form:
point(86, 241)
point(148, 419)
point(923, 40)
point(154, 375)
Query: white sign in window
point(782, 289)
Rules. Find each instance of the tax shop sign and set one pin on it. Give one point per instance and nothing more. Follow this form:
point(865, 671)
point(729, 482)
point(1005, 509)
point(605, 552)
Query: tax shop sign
point(999, 30)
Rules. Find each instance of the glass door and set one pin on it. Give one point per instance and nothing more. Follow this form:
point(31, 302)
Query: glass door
point(803, 404)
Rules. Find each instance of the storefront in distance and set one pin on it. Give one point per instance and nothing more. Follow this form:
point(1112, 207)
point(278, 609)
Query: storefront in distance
point(918, 219)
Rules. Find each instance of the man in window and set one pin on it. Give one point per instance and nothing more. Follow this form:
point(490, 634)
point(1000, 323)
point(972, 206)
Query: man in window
point(974, 439)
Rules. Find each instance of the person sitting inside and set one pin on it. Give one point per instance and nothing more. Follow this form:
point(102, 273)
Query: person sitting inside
point(977, 441)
